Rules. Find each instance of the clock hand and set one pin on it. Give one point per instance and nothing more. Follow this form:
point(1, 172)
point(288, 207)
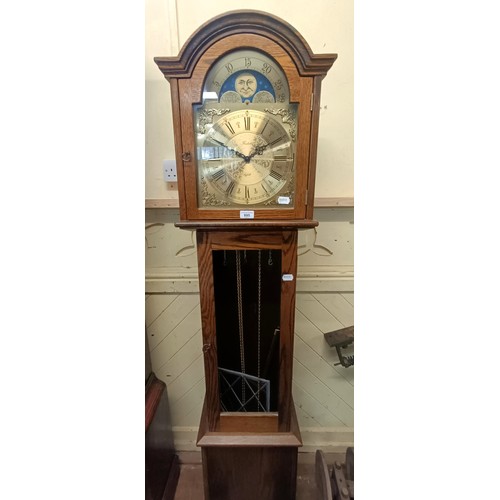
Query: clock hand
point(236, 152)
point(260, 149)
point(257, 151)
point(241, 155)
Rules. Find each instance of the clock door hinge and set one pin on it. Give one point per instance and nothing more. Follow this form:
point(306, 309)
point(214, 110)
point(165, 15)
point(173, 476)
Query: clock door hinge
point(307, 195)
point(312, 101)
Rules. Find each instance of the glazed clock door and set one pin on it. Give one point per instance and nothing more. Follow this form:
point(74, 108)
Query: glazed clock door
point(246, 133)
point(246, 152)
point(247, 298)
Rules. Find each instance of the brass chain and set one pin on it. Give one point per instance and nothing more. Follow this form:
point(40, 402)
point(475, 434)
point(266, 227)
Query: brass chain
point(259, 287)
point(240, 322)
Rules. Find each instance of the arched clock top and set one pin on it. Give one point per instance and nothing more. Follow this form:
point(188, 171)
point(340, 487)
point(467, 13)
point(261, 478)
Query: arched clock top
point(238, 23)
point(245, 94)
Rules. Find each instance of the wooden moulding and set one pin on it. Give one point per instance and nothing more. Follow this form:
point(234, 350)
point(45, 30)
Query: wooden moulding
point(247, 224)
point(248, 430)
point(245, 21)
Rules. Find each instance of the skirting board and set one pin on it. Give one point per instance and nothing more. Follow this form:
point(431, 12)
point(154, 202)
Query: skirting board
point(330, 440)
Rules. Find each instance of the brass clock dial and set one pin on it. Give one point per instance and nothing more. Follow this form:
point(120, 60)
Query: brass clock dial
point(246, 158)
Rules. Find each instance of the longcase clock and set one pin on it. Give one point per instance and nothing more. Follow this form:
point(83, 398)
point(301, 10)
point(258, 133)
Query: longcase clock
point(245, 99)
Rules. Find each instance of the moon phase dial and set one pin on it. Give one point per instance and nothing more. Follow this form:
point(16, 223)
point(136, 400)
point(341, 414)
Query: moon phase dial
point(245, 158)
point(247, 76)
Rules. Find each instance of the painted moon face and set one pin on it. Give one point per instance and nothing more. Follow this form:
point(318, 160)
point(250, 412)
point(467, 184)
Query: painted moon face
point(246, 85)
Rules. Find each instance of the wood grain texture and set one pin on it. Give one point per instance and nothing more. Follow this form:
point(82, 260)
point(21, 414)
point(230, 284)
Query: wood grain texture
point(154, 392)
point(250, 473)
point(250, 464)
point(259, 422)
point(207, 305)
point(313, 147)
point(176, 117)
point(288, 266)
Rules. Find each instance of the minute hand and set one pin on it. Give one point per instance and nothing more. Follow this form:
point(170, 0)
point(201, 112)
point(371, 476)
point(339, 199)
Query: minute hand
point(236, 152)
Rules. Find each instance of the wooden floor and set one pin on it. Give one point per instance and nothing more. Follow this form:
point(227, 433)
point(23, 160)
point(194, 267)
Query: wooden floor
point(190, 485)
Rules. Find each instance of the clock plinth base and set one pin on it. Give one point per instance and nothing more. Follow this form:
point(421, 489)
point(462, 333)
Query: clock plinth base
point(248, 459)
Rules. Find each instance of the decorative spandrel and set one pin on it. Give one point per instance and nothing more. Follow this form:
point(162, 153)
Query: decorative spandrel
point(247, 289)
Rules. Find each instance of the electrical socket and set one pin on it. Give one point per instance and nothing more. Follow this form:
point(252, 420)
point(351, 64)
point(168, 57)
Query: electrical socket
point(169, 171)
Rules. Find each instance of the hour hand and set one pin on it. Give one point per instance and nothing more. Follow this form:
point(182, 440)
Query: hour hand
point(241, 155)
point(258, 150)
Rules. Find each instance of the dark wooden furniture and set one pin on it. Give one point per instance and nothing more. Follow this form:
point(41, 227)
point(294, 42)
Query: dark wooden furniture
point(162, 464)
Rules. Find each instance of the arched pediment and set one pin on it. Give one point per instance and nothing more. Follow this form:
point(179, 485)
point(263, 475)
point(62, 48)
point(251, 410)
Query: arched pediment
point(240, 22)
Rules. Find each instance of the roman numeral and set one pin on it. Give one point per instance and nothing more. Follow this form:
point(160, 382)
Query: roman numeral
point(218, 174)
point(276, 175)
point(247, 192)
point(230, 127)
point(230, 188)
point(275, 141)
point(247, 122)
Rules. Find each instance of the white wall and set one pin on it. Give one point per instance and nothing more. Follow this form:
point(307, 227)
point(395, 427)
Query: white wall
point(327, 25)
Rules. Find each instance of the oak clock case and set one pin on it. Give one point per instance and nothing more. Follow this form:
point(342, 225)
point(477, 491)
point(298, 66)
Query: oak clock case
point(246, 134)
point(245, 101)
